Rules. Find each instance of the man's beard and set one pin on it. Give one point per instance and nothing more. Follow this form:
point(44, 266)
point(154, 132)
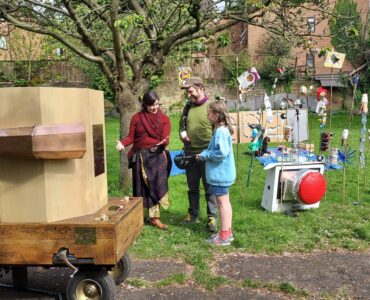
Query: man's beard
point(194, 98)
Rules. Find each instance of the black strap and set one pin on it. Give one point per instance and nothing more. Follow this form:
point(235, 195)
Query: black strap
point(184, 116)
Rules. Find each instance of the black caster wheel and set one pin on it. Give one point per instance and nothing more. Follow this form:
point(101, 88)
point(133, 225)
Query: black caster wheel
point(121, 270)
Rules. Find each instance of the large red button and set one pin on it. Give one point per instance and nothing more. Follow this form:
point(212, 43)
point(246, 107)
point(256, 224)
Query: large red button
point(312, 187)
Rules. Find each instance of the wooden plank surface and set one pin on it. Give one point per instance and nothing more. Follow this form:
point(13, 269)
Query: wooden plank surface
point(128, 230)
point(104, 241)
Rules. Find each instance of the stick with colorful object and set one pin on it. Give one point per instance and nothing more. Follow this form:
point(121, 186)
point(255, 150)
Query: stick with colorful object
point(246, 81)
point(257, 139)
point(362, 158)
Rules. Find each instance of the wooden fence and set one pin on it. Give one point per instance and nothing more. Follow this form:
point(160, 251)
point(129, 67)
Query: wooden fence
point(42, 72)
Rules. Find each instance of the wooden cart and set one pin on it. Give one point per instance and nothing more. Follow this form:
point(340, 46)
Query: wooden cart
point(95, 246)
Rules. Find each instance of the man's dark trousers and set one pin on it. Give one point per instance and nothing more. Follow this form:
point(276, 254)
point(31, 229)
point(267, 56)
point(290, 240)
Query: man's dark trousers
point(194, 172)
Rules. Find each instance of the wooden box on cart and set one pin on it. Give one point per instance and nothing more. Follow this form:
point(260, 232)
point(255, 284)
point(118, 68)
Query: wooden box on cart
point(101, 238)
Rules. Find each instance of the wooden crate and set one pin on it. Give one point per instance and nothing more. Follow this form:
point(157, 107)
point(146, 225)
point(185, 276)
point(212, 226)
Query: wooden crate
point(105, 242)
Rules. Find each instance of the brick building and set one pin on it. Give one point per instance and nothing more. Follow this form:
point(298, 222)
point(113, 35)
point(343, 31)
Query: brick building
point(301, 56)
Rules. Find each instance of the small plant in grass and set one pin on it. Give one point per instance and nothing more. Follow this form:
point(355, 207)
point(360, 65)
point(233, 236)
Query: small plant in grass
point(363, 232)
point(208, 281)
point(138, 283)
point(285, 287)
point(179, 278)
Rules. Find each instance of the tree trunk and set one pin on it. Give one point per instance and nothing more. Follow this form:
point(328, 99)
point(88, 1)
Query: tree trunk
point(128, 104)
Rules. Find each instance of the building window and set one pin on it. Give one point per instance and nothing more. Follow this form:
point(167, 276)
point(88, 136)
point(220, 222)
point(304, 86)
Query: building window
point(311, 24)
point(3, 43)
point(309, 60)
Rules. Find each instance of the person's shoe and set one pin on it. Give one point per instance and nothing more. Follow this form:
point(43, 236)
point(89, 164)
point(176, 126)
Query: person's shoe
point(218, 241)
point(212, 224)
point(191, 219)
point(231, 237)
point(157, 223)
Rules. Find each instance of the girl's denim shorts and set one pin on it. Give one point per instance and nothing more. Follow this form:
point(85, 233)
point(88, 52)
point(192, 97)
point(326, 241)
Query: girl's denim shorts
point(218, 190)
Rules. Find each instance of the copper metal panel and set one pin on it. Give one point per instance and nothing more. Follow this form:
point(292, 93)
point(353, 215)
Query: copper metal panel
point(62, 141)
point(16, 141)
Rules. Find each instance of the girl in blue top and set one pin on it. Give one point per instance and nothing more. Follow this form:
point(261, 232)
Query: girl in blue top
point(220, 168)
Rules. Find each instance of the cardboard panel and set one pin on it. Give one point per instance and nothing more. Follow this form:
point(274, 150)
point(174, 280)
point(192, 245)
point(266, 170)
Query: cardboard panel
point(245, 118)
point(51, 190)
point(274, 129)
point(299, 124)
point(235, 119)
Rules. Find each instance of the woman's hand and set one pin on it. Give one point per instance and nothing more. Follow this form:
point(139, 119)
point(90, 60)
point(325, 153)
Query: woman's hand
point(119, 146)
point(162, 141)
point(184, 137)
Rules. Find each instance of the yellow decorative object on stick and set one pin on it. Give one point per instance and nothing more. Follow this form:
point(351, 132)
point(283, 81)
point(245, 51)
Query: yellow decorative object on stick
point(334, 60)
point(184, 73)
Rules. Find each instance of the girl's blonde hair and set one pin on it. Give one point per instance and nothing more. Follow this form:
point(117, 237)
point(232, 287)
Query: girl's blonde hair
point(224, 118)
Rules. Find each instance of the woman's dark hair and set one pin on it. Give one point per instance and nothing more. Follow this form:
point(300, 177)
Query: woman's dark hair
point(148, 99)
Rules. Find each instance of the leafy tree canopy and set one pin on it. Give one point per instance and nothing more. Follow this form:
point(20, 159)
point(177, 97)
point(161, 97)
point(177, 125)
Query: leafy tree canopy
point(351, 36)
point(346, 29)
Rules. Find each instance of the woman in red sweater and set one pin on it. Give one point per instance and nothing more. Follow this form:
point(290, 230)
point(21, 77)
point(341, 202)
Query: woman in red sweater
point(151, 164)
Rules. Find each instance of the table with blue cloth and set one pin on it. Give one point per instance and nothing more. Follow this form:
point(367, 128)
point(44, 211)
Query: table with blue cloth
point(275, 156)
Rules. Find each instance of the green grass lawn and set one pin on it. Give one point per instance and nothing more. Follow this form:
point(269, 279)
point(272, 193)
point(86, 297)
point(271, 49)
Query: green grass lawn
point(340, 222)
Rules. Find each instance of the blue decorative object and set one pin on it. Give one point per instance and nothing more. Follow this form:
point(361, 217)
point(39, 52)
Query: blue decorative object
point(346, 155)
point(355, 79)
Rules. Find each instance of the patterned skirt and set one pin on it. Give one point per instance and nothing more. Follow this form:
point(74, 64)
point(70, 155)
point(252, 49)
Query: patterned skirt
point(150, 175)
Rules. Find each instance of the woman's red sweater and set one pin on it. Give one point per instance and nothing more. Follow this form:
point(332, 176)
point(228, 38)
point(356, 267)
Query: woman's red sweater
point(157, 128)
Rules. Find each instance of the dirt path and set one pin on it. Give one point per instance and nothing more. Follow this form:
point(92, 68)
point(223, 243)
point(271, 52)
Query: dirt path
point(326, 275)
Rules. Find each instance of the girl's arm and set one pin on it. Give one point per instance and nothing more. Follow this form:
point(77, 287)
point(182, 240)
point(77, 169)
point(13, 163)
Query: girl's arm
point(220, 147)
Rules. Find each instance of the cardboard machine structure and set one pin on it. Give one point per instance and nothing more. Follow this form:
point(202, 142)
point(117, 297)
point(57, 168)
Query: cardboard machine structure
point(293, 186)
point(54, 202)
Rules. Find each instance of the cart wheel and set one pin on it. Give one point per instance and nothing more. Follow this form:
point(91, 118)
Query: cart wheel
point(121, 270)
point(20, 276)
point(94, 285)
